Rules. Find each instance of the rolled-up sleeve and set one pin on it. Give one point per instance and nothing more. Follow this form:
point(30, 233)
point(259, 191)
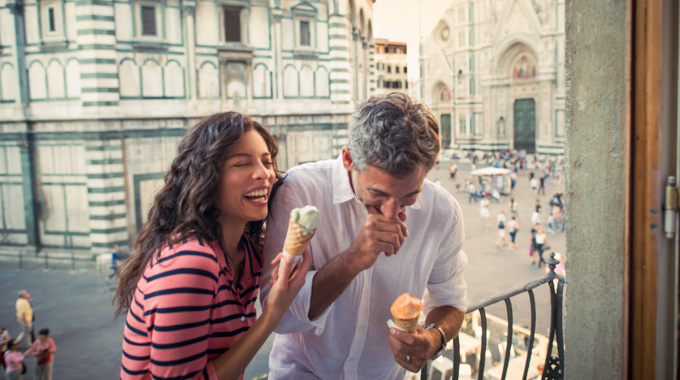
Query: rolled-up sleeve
point(296, 319)
point(446, 284)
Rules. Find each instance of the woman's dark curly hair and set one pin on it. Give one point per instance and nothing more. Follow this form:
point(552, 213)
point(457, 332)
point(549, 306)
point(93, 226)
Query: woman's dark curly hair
point(186, 206)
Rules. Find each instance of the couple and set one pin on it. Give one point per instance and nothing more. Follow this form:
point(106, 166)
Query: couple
point(384, 230)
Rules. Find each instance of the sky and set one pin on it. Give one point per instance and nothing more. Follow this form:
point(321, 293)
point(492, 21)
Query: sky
point(398, 20)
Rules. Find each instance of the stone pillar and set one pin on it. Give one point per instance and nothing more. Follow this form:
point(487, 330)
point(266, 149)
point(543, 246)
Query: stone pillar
point(96, 41)
point(189, 7)
point(106, 192)
point(340, 75)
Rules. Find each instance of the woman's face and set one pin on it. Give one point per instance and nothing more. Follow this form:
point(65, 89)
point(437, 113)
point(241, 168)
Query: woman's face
point(43, 338)
point(246, 180)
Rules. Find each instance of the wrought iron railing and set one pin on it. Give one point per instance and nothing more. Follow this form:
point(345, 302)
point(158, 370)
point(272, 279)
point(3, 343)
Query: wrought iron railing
point(554, 364)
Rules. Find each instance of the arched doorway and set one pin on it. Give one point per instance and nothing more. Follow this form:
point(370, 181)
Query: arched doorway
point(525, 125)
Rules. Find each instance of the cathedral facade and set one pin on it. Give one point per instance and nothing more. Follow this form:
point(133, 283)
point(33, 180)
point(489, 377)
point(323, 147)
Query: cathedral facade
point(96, 94)
point(493, 72)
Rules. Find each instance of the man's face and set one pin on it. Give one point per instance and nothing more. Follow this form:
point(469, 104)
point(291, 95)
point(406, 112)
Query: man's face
point(383, 193)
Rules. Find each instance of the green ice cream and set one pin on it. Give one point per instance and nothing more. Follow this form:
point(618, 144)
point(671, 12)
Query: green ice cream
point(306, 218)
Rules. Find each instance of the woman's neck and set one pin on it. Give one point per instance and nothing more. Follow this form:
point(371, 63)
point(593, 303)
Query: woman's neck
point(231, 238)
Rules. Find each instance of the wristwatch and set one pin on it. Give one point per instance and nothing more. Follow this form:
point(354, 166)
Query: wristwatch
point(441, 350)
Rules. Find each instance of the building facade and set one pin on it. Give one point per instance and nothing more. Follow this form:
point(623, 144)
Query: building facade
point(493, 72)
point(391, 67)
point(95, 96)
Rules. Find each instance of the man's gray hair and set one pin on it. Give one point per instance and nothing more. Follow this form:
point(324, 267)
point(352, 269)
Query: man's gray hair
point(394, 134)
point(22, 292)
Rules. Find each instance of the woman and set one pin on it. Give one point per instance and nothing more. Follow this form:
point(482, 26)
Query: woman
point(541, 240)
point(14, 361)
point(43, 349)
point(190, 287)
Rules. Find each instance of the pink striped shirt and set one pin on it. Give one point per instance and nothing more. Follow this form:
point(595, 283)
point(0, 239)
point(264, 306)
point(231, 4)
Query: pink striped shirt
point(186, 311)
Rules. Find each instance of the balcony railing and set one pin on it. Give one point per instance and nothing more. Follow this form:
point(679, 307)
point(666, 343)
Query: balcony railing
point(554, 361)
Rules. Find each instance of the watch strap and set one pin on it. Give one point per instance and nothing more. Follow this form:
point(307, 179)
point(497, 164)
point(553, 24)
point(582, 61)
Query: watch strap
point(443, 338)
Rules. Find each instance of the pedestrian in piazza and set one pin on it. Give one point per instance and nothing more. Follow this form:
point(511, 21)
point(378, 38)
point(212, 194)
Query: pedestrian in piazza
point(513, 207)
point(536, 217)
point(452, 170)
point(501, 229)
point(541, 241)
point(43, 350)
point(25, 317)
point(14, 361)
point(534, 185)
point(484, 211)
point(513, 227)
point(541, 185)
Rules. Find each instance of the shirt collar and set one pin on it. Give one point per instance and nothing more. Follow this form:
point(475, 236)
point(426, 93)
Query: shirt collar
point(342, 189)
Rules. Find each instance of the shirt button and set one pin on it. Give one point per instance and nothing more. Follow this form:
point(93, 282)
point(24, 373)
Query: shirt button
point(243, 318)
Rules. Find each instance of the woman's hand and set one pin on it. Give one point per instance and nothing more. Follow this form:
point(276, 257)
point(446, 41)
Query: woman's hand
point(286, 283)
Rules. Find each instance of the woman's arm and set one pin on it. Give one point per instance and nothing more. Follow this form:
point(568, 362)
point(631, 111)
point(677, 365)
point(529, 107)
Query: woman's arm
point(233, 363)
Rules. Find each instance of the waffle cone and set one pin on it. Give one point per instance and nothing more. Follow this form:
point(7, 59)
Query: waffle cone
point(295, 243)
point(408, 325)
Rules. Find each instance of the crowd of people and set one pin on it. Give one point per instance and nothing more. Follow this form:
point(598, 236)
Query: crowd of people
point(15, 351)
point(541, 173)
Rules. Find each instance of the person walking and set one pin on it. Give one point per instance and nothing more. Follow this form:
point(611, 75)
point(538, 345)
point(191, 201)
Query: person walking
point(4, 339)
point(452, 170)
point(541, 240)
point(541, 185)
point(513, 207)
point(14, 361)
point(484, 211)
point(115, 260)
point(501, 230)
point(43, 350)
point(536, 217)
point(25, 317)
point(513, 227)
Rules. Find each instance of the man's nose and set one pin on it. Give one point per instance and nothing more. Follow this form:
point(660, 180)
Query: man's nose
point(390, 209)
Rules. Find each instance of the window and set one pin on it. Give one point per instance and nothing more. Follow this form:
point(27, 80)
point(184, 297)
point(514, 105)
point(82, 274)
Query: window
point(396, 69)
point(232, 25)
point(148, 20)
point(305, 38)
point(51, 21)
point(472, 86)
point(461, 125)
point(304, 16)
point(405, 84)
point(405, 69)
point(387, 84)
point(389, 68)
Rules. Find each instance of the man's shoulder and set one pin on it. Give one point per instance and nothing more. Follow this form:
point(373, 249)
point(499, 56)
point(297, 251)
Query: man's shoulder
point(309, 173)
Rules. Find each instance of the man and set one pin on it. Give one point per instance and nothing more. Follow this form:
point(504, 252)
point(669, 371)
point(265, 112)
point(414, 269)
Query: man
point(25, 316)
point(384, 230)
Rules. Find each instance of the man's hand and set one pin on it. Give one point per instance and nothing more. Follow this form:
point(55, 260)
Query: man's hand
point(420, 346)
point(377, 235)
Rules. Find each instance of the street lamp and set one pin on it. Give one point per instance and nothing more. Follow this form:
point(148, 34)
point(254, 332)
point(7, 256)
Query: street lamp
point(459, 75)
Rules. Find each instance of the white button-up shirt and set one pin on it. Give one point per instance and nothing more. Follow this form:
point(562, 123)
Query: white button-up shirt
point(349, 339)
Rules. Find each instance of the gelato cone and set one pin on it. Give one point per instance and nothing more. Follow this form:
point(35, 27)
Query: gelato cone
point(406, 310)
point(301, 228)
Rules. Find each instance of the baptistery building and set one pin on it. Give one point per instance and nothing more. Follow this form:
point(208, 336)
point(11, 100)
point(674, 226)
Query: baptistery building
point(493, 72)
point(96, 94)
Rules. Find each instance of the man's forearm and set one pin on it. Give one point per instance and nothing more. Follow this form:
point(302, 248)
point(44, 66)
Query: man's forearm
point(329, 283)
point(448, 318)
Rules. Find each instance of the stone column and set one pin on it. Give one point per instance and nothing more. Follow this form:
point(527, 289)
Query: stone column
point(96, 41)
point(106, 191)
point(340, 75)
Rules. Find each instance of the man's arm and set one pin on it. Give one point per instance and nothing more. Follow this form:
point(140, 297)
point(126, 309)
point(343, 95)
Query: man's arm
point(377, 235)
point(423, 344)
